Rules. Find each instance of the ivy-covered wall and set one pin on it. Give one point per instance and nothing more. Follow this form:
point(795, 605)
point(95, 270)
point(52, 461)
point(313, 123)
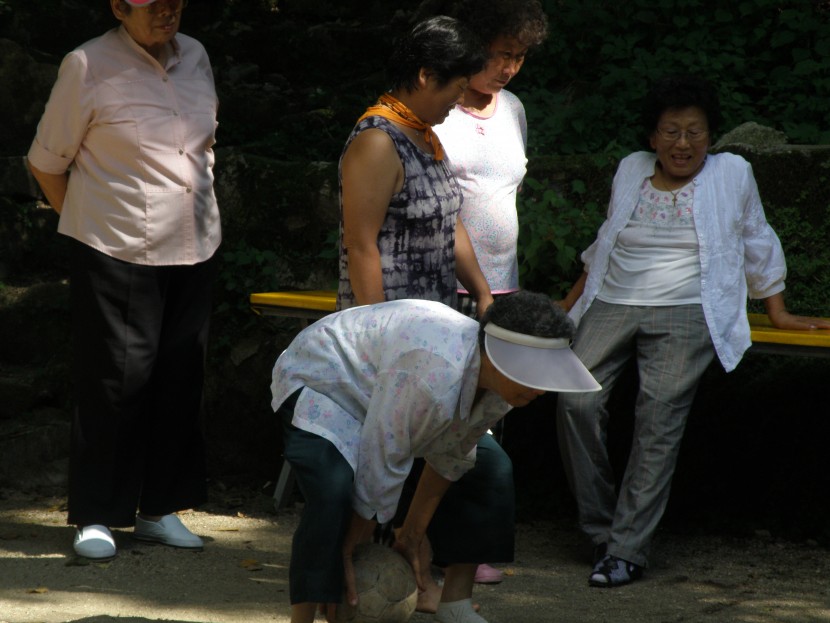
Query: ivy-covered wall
point(292, 77)
point(769, 58)
point(564, 200)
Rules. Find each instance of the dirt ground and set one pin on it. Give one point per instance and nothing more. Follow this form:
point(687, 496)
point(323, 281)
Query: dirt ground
point(242, 574)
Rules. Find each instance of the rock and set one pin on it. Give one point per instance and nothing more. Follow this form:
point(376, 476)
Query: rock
point(34, 324)
point(18, 391)
point(756, 137)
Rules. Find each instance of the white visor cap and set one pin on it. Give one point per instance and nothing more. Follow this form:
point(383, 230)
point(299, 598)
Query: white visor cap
point(537, 362)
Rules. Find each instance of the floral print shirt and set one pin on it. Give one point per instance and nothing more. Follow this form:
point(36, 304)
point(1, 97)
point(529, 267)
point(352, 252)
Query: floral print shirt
point(656, 260)
point(387, 383)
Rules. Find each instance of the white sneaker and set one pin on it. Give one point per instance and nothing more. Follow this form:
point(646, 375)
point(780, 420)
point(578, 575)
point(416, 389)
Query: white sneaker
point(169, 530)
point(94, 542)
point(457, 612)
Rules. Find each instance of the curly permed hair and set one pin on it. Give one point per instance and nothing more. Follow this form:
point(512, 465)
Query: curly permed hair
point(680, 91)
point(523, 20)
point(530, 313)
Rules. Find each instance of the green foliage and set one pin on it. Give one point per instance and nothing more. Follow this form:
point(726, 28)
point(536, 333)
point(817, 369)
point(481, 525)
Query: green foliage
point(808, 260)
point(320, 63)
point(331, 248)
point(554, 229)
point(769, 58)
point(243, 270)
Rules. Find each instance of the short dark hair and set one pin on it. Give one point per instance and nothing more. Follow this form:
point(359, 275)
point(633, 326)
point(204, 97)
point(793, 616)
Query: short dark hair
point(442, 45)
point(530, 313)
point(523, 20)
point(681, 91)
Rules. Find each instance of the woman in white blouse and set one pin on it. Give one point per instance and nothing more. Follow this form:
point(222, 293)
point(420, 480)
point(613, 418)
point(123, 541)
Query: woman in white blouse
point(365, 391)
point(665, 283)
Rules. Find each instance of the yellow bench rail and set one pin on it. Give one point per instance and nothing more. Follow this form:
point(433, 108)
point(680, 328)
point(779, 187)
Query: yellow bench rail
point(306, 305)
point(313, 304)
point(317, 300)
point(768, 339)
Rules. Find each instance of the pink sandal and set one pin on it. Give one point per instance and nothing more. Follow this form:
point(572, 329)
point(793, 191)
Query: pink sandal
point(485, 574)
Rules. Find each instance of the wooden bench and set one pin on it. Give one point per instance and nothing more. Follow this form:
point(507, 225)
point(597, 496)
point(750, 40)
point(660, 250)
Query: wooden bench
point(769, 340)
point(307, 305)
point(311, 305)
point(314, 304)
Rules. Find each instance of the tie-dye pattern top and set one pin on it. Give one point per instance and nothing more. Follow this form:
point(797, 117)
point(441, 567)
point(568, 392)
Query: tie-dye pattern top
point(417, 238)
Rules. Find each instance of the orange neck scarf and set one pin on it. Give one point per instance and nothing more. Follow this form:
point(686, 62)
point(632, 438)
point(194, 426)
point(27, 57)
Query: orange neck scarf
point(390, 107)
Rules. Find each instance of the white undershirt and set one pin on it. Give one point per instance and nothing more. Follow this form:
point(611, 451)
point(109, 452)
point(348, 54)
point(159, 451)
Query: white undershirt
point(656, 259)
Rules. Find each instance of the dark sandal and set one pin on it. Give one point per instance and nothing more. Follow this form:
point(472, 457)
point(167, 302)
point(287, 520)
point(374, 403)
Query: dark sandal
point(611, 572)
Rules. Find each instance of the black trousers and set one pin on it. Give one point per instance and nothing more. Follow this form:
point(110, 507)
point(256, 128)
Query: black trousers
point(474, 522)
point(139, 344)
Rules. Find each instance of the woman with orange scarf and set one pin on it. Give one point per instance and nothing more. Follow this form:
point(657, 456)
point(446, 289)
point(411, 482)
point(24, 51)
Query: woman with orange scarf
point(401, 236)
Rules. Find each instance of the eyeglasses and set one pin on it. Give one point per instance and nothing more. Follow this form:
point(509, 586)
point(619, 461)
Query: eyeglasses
point(166, 6)
point(693, 136)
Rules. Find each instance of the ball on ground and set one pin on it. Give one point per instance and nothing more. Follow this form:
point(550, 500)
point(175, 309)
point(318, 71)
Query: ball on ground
point(386, 588)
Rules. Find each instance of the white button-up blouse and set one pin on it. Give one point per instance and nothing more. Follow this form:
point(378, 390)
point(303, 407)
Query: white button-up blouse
point(740, 254)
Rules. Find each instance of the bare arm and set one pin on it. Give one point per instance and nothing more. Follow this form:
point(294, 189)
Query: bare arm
point(372, 173)
point(52, 185)
point(431, 489)
point(782, 319)
point(468, 271)
point(360, 531)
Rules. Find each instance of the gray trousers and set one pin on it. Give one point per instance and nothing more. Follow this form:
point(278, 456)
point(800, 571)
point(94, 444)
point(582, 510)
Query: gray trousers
point(672, 348)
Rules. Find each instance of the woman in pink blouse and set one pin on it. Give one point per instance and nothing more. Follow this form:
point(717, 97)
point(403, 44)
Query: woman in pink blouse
point(123, 154)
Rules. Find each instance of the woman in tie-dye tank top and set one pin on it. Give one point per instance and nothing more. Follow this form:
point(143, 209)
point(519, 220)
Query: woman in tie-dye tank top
point(400, 233)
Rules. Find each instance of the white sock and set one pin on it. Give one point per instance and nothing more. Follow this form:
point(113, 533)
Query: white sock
point(458, 612)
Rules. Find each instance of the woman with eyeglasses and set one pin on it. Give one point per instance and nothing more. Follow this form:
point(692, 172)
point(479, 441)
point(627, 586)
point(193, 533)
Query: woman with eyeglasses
point(665, 283)
point(123, 154)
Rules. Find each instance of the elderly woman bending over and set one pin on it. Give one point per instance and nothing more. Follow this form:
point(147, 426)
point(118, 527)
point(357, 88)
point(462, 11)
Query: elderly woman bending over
point(365, 391)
